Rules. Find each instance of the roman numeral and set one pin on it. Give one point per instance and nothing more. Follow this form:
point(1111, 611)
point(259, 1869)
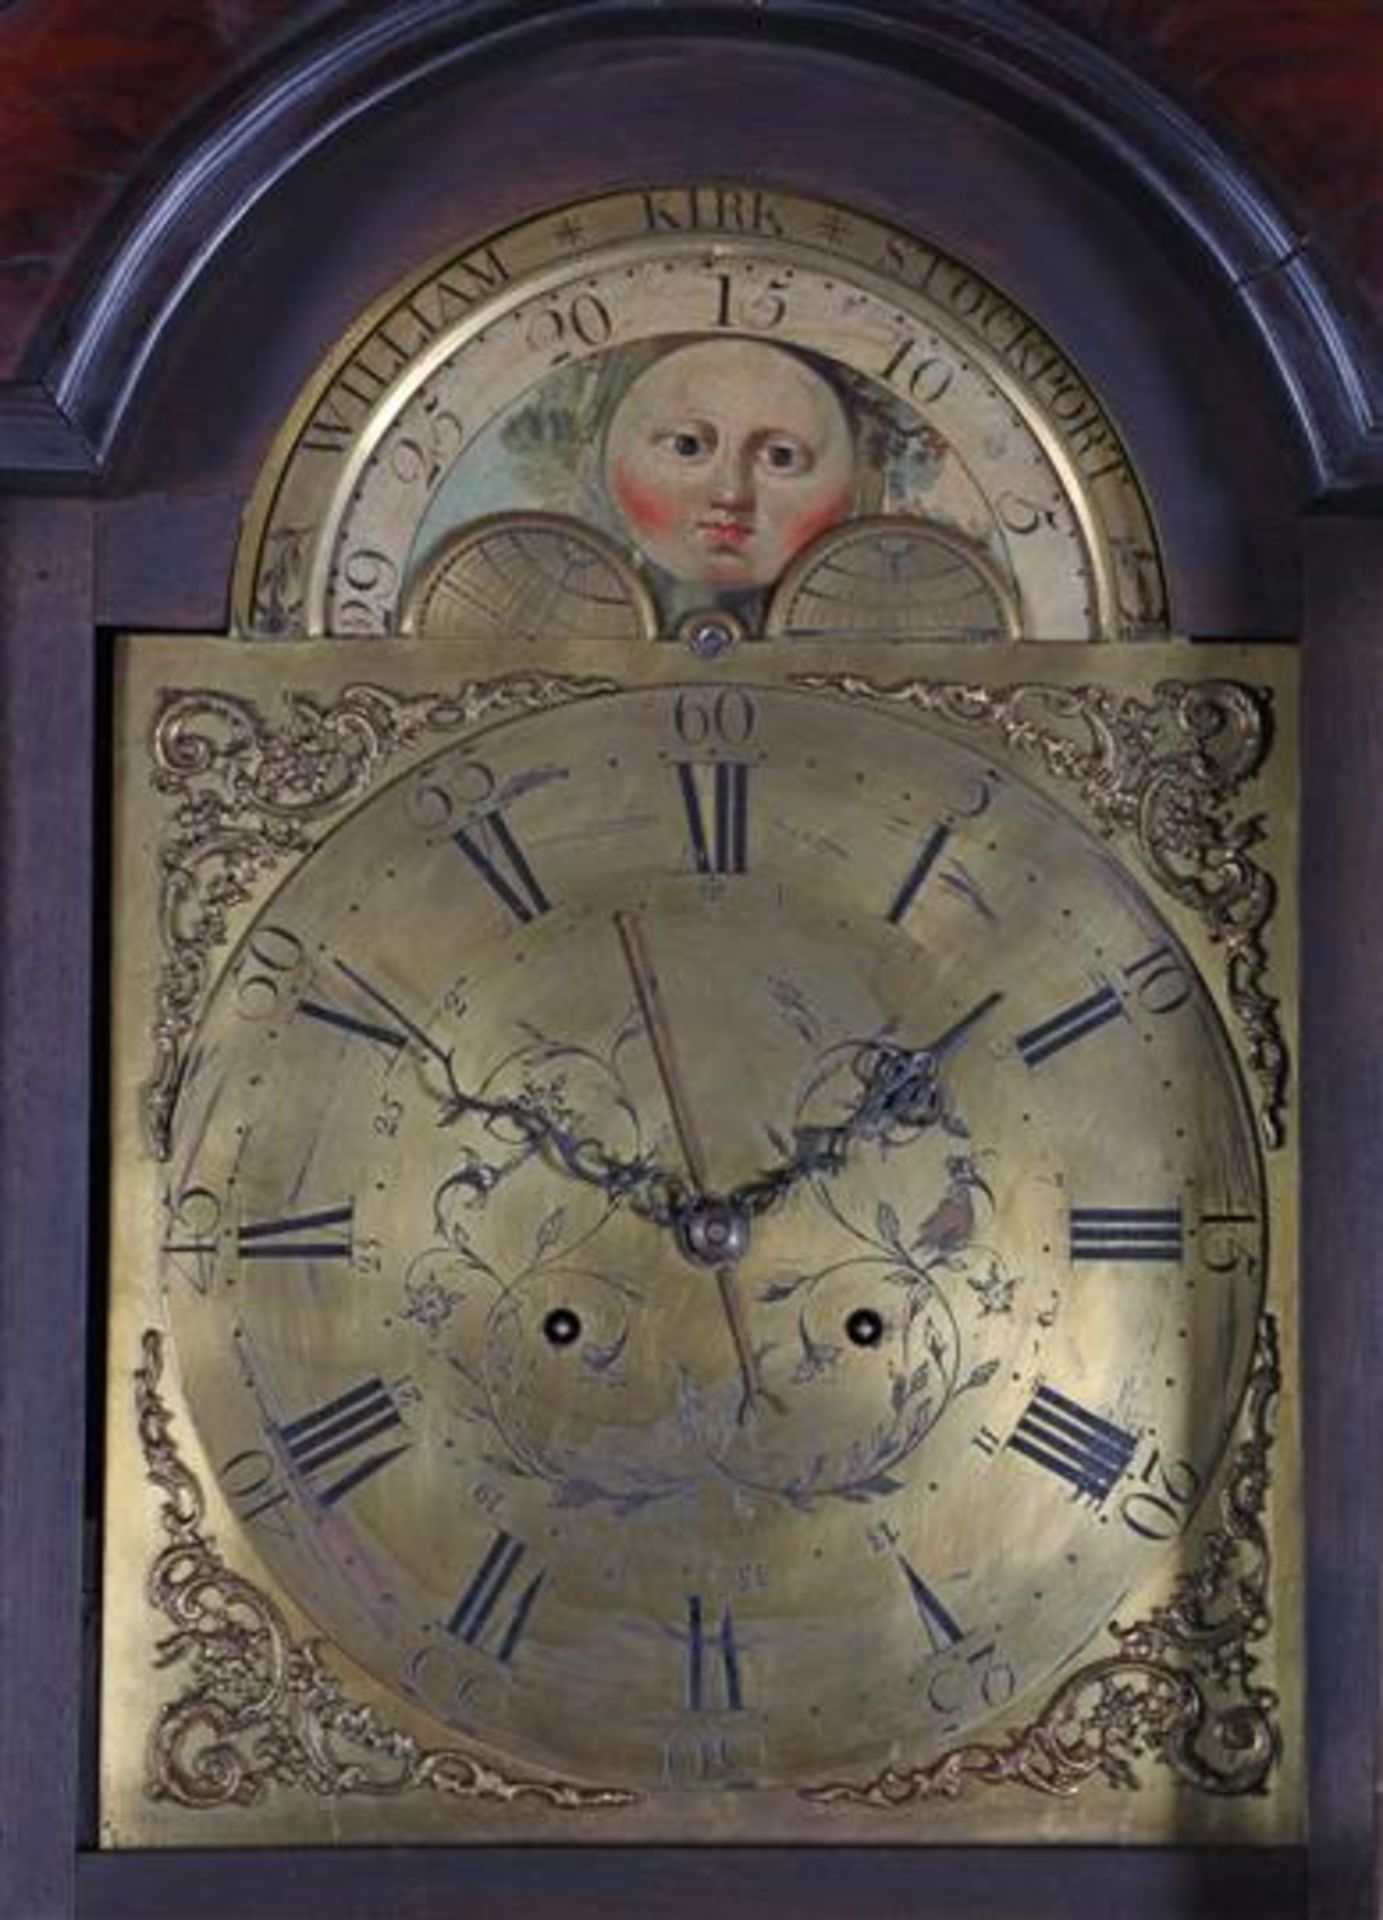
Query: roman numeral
point(475, 1609)
point(928, 855)
point(939, 1623)
point(1126, 1233)
point(394, 1036)
point(703, 1695)
point(338, 1432)
point(395, 1033)
point(500, 861)
point(1074, 1444)
point(1072, 1023)
point(323, 1235)
point(725, 849)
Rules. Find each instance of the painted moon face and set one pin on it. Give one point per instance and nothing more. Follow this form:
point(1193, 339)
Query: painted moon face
point(726, 458)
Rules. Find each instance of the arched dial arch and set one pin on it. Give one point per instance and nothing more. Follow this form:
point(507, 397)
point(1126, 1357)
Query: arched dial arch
point(494, 383)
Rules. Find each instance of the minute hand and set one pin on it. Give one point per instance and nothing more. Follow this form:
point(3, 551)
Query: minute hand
point(900, 1088)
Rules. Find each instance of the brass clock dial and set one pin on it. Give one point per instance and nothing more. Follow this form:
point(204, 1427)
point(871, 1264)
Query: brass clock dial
point(710, 379)
point(714, 1236)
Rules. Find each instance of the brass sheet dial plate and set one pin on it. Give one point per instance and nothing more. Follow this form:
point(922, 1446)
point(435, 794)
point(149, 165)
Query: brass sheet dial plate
point(597, 361)
point(555, 1490)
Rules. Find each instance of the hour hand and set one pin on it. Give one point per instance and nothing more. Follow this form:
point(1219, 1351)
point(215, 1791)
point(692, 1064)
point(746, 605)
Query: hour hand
point(900, 1086)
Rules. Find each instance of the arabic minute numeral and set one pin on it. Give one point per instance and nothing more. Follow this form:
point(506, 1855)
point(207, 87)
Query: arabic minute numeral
point(980, 1677)
point(1160, 981)
point(758, 309)
point(254, 1486)
point(727, 717)
point(577, 325)
point(1221, 1248)
point(274, 956)
point(194, 1234)
point(923, 375)
point(1161, 1504)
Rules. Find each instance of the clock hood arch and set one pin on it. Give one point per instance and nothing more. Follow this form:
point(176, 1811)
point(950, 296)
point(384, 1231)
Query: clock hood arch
point(996, 134)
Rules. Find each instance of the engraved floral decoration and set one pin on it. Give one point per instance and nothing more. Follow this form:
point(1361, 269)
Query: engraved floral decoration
point(480, 1295)
point(248, 791)
point(624, 1421)
point(1180, 1688)
point(1168, 769)
point(261, 1708)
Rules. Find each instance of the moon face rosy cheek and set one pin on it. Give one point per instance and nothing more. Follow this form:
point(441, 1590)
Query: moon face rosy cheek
point(800, 529)
point(648, 508)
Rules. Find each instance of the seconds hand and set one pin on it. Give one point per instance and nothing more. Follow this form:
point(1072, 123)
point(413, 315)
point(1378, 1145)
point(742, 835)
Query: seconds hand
point(710, 1222)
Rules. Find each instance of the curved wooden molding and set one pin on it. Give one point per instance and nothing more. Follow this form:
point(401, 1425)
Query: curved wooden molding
point(1060, 87)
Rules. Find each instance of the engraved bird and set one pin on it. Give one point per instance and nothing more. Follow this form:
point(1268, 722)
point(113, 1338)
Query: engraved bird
point(951, 1222)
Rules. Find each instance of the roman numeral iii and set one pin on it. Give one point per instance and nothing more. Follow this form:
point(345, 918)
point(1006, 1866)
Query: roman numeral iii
point(1126, 1233)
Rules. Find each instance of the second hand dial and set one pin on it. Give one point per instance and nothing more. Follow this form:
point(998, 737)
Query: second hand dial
point(715, 1233)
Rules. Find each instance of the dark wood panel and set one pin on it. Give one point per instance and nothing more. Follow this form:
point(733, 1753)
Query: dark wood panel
point(89, 91)
point(90, 94)
point(1295, 88)
point(659, 1883)
point(1342, 1050)
point(46, 994)
point(1128, 144)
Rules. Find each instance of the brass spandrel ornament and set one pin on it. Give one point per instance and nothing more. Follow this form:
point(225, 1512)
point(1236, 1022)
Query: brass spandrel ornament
point(716, 398)
point(722, 1242)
